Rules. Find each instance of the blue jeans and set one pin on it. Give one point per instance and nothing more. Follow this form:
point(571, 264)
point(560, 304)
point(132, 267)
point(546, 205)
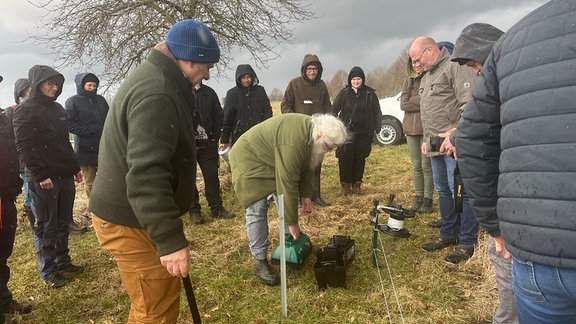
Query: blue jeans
point(53, 211)
point(257, 228)
point(465, 227)
point(544, 294)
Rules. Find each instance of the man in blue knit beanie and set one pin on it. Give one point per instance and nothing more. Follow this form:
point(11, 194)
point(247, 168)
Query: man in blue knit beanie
point(146, 177)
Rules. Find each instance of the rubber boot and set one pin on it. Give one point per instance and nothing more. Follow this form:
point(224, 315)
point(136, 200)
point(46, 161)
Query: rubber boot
point(346, 188)
point(426, 207)
point(418, 200)
point(265, 273)
point(316, 198)
point(356, 188)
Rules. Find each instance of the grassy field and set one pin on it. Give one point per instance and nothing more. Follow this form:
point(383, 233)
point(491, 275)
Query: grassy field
point(428, 289)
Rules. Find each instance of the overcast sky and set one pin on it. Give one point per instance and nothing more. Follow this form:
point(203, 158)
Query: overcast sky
point(368, 33)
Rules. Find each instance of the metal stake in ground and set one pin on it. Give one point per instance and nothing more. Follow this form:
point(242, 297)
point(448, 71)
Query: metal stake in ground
point(279, 200)
point(191, 300)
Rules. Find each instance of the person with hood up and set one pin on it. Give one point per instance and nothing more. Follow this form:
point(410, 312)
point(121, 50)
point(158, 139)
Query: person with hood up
point(307, 94)
point(86, 112)
point(246, 105)
point(472, 48)
point(42, 141)
point(10, 187)
point(516, 144)
point(357, 106)
point(146, 177)
point(209, 117)
point(21, 92)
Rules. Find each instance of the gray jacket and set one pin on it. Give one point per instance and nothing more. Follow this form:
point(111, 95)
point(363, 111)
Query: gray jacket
point(516, 141)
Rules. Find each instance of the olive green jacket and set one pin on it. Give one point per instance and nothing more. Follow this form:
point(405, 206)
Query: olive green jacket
point(274, 156)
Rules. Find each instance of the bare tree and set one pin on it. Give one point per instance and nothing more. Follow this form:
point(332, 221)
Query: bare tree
point(115, 35)
point(337, 82)
point(275, 95)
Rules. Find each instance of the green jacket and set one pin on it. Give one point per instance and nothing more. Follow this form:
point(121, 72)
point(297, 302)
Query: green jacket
point(147, 165)
point(274, 156)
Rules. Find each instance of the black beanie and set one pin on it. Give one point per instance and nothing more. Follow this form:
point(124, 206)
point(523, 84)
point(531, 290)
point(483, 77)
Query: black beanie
point(90, 78)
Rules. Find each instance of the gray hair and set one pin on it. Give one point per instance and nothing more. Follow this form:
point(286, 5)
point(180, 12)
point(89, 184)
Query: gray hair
point(330, 127)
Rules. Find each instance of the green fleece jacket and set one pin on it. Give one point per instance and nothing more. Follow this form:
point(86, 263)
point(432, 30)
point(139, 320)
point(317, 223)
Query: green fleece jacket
point(274, 156)
point(147, 162)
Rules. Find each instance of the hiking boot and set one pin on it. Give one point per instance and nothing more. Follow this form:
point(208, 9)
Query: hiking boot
point(196, 217)
point(418, 200)
point(426, 207)
point(56, 281)
point(70, 268)
point(435, 223)
point(320, 202)
point(76, 229)
point(222, 213)
point(439, 244)
point(460, 255)
point(265, 273)
point(346, 188)
point(15, 307)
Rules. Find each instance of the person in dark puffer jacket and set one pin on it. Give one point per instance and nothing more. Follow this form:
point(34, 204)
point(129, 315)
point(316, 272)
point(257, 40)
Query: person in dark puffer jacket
point(86, 113)
point(516, 143)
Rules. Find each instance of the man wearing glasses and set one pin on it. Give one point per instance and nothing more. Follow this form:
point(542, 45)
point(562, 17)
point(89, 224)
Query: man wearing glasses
point(444, 91)
point(308, 94)
point(279, 156)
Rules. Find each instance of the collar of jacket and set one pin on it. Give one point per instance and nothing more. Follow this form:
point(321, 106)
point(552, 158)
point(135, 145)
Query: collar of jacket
point(444, 55)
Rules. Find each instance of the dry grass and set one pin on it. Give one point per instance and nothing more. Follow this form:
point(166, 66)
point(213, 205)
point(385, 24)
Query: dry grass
point(428, 290)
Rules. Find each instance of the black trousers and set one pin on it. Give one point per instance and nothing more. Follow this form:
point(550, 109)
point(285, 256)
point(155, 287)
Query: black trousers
point(209, 162)
point(352, 157)
point(7, 235)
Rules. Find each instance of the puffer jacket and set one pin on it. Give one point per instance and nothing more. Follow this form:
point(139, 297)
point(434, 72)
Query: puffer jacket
point(516, 141)
point(41, 131)
point(410, 102)
point(86, 113)
point(305, 96)
point(244, 107)
point(10, 181)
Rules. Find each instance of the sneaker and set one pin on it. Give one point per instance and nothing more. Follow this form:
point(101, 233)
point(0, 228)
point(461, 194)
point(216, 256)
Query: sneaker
point(222, 213)
point(70, 268)
point(439, 244)
point(56, 281)
point(196, 217)
point(460, 255)
point(15, 307)
point(87, 214)
point(435, 223)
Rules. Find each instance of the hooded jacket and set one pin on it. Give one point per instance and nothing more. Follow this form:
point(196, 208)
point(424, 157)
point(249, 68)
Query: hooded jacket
point(410, 101)
point(86, 112)
point(516, 140)
point(244, 107)
point(359, 111)
point(147, 175)
point(307, 96)
point(41, 132)
point(19, 86)
point(10, 181)
point(475, 43)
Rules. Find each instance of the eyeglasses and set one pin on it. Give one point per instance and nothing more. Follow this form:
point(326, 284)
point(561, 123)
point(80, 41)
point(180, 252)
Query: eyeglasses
point(311, 69)
point(417, 61)
point(52, 84)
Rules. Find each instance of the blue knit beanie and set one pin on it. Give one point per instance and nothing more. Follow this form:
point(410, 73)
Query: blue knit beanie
point(192, 40)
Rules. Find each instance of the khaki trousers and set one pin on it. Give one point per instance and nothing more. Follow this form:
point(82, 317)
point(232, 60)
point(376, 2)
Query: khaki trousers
point(89, 173)
point(154, 293)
